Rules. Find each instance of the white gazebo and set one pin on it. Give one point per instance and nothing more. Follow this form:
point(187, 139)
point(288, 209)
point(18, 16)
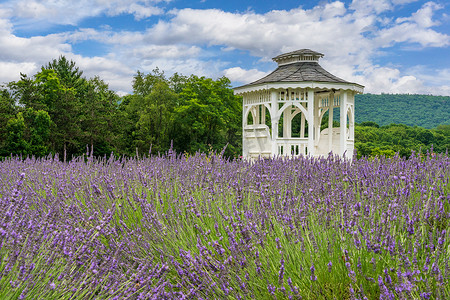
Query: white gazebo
point(282, 112)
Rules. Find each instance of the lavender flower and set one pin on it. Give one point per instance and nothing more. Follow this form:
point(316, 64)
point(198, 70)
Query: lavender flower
point(313, 276)
point(184, 227)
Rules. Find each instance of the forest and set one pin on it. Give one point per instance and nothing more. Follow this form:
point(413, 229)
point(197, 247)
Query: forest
point(59, 111)
point(414, 110)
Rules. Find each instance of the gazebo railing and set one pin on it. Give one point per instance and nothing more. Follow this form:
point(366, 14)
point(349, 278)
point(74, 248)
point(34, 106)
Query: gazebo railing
point(292, 146)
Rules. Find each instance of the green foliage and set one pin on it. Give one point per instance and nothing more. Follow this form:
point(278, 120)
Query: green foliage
point(151, 108)
point(82, 112)
point(28, 133)
point(100, 119)
point(25, 93)
point(208, 116)
point(57, 110)
point(67, 72)
point(371, 140)
point(370, 124)
point(7, 112)
point(414, 110)
point(15, 142)
point(187, 113)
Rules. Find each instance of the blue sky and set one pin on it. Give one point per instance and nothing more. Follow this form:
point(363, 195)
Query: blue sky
point(389, 46)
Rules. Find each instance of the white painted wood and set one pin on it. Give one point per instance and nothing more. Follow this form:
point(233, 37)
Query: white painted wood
point(330, 122)
point(343, 125)
point(311, 122)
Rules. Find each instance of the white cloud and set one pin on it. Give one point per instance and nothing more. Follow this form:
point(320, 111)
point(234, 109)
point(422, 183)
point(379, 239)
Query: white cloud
point(34, 50)
point(139, 11)
point(187, 66)
point(411, 33)
point(114, 72)
point(264, 35)
point(391, 80)
point(424, 16)
point(37, 49)
point(164, 51)
point(366, 7)
point(369, 7)
point(185, 42)
point(71, 12)
point(10, 71)
point(245, 76)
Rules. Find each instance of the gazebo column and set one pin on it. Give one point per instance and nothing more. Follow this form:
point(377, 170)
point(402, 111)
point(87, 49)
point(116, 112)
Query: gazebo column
point(330, 121)
point(311, 110)
point(274, 120)
point(287, 118)
point(316, 124)
point(302, 123)
point(256, 115)
point(343, 125)
point(262, 117)
point(244, 123)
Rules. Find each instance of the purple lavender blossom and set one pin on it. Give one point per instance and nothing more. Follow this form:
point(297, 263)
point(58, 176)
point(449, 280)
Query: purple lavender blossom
point(194, 227)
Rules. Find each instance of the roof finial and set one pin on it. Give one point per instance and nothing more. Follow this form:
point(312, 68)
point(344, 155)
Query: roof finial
point(303, 55)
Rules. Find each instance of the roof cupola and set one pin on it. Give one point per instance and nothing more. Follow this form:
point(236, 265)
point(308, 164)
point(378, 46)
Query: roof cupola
point(303, 55)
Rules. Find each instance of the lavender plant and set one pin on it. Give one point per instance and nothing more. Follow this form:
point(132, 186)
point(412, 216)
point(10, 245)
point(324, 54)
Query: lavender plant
point(204, 227)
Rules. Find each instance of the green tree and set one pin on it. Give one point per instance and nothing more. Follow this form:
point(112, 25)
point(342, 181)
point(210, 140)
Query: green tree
point(370, 124)
point(28, 133)
point(413, 110)
point(150, 109)
point(69, 75)
point(25, 93)
point(64, 109)
point(37, 131)
point(208, 117)
point(100, 118)
point(15, 141)
point(7, 112)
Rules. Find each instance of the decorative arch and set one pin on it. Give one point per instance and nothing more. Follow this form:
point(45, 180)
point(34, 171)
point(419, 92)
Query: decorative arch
point(286, 105)
point(247, 111)
point(323, 112)
point(252, 109)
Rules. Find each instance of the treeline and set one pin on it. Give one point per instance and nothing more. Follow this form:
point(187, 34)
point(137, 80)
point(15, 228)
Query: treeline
point(371, 139)
point(414, 110)
point(59, 111)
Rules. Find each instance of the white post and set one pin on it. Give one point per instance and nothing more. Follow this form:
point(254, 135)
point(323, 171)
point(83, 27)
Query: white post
point(244, 122)
point(302, 124)
point(263, 114)
point(330, 122)
point(316, 124)
point(351, 136)
point(343, 125)
point(286, 122)
point(256, 110)
point(311, 122)
point(274, 121)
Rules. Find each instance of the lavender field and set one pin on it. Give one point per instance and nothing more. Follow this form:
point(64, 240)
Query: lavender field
point(203, 227)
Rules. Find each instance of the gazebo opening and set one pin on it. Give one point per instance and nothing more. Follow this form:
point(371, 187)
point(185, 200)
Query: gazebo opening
point(298, 109)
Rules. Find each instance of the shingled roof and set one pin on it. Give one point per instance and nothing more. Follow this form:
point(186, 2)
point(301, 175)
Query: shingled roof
point(299, 66)
point(300, 71)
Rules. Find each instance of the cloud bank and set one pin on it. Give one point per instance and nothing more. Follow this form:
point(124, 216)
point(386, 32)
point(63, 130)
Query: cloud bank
point(354, 37)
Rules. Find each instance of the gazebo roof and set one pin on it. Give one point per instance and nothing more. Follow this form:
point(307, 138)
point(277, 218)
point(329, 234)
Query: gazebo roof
point(297, 67)
point(300, 71)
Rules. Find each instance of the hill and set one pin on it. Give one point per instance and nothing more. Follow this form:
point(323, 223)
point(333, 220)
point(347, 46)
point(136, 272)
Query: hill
point(414, 110)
